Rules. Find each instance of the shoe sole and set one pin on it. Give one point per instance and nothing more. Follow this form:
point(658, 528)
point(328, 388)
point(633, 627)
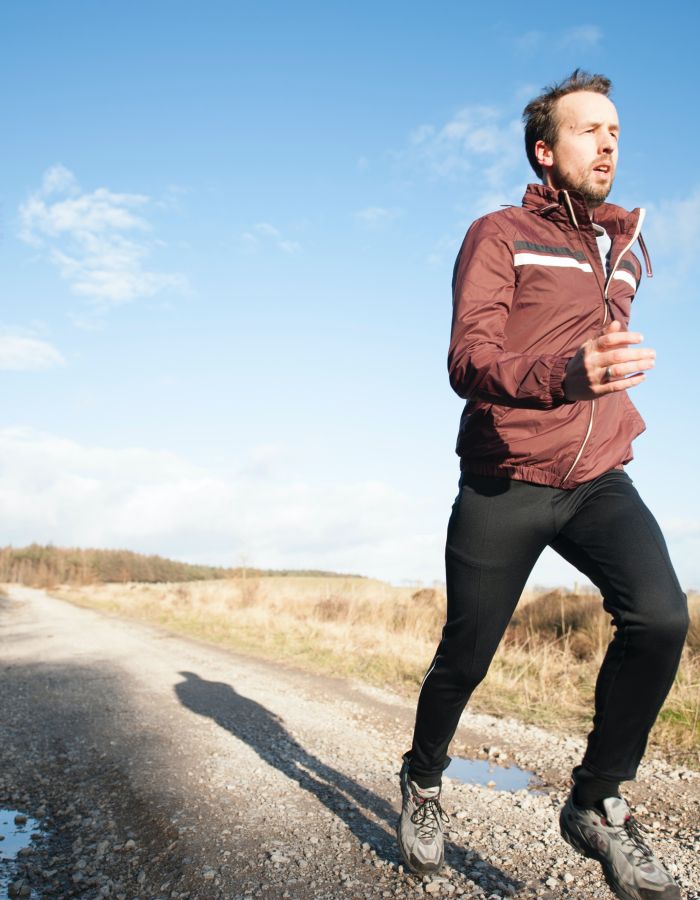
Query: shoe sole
point(670, 892)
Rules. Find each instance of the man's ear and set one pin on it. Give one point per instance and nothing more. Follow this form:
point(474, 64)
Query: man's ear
point(544, 155)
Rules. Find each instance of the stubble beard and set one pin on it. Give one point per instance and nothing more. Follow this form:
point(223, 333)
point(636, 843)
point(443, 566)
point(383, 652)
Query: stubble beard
point(593, 194)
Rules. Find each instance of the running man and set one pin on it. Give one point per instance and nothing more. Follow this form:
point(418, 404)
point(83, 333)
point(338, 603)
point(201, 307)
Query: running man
point(541, 352)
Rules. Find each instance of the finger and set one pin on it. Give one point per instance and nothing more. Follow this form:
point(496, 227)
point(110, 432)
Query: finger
point(617, 338)
point(623, 370)
point(622, 384)
point(624, 355)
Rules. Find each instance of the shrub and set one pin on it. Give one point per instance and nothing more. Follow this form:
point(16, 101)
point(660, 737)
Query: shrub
point(579, 620)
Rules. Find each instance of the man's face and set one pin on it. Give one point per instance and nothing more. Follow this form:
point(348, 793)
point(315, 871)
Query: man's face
point(584, 157)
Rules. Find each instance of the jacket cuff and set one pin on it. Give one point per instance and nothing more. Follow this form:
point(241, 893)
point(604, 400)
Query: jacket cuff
point(556, 381)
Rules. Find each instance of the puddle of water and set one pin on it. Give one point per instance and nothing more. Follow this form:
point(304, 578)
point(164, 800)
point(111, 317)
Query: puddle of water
point(14, 836)
point(487, 773)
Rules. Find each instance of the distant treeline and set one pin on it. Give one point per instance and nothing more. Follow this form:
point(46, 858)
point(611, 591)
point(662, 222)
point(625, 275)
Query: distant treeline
point(45, 566)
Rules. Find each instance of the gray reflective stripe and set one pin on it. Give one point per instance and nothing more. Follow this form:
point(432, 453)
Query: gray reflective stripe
point(552, 251)
point(561, 262)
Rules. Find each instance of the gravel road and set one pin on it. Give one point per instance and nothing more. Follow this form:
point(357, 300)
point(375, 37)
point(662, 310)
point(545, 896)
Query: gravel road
point(160, 767)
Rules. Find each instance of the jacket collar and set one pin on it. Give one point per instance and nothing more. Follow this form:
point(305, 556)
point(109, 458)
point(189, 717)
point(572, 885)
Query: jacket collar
point(551, 204)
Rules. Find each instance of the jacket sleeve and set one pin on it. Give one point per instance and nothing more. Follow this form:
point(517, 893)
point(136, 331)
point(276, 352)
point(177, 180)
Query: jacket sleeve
point(480, 365)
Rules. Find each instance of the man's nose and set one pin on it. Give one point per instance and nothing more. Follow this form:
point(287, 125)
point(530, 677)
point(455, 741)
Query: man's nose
point(607, 143)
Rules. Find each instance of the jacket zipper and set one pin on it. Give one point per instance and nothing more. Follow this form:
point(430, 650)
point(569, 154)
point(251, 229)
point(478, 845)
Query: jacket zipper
point(605, 318)
point(637, 230)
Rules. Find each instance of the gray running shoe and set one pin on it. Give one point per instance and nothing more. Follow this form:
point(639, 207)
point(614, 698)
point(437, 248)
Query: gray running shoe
point(615, 840)
point(419, 829)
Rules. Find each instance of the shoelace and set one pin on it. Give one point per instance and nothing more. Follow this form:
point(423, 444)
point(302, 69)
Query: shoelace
point(632, 834)
point(429, 817)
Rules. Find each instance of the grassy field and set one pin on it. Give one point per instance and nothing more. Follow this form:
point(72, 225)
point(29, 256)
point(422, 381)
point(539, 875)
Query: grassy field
point(544, 671)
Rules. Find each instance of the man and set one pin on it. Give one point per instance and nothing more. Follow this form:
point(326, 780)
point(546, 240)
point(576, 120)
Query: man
point(541, 352)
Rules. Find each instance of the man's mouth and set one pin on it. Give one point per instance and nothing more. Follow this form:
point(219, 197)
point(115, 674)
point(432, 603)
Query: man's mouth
point(604, 168)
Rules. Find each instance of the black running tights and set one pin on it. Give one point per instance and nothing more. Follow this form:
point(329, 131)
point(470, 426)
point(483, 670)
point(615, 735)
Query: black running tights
point(497, 530)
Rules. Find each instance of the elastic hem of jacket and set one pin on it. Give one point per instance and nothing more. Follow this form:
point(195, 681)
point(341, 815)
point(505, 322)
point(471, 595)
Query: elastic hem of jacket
point(517, 473)
point(556, 382)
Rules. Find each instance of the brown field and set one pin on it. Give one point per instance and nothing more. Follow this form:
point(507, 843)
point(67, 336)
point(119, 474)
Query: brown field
point(544, 671)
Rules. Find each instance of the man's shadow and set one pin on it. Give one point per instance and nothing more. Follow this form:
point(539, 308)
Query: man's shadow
point(265, 733)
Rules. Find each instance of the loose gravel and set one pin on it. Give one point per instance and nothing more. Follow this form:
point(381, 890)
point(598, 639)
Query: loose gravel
point(160, 767)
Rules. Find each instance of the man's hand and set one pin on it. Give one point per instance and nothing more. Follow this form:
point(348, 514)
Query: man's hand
point(606, 364)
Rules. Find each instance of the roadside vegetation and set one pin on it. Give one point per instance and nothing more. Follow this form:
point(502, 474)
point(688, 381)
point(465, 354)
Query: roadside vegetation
point(46, 566)
point(543, 673)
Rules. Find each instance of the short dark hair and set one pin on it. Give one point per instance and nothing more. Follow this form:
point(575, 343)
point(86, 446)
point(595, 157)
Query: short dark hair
point(540, 118)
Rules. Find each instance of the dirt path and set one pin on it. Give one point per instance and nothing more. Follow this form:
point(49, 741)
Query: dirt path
point(161, 767)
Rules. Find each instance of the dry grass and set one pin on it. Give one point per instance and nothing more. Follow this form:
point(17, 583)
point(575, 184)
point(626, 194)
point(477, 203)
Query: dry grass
point(544, 671)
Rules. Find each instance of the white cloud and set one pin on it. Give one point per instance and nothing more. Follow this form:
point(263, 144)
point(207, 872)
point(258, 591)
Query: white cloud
point(480, 146)
point(681, 529)
point(99, 241)
point(449, 150)
point(70, 494)
point(56, 490)
point(263, 233)
point(473, 134)
point(58, 179)
point(375, 216)
point(27, 354)
point(267, 230)
point(582, 37)
point(289, 246)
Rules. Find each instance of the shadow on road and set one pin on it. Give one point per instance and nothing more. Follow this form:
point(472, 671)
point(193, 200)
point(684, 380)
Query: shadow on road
point(265, 733)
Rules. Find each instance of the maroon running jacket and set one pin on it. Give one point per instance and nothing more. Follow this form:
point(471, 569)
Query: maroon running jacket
point(529, 288)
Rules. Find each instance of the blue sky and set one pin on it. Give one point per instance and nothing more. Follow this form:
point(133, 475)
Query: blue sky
point(226, 240)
